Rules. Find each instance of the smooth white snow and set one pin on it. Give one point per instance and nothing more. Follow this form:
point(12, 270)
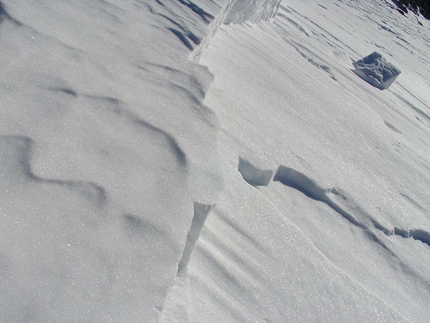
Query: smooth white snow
point(122, 121)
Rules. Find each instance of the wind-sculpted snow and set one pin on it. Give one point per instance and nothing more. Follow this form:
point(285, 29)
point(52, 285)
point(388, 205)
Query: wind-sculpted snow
point(299, 181)
point(99, 156)
point(236, 12)
point(105, 144)
point(3, 13)
point(416, 234)
point(115, 145)
point(284, 108)
point(15, 161)
point(240, 11)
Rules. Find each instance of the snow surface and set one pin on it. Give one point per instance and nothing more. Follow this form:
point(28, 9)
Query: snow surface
point(124, 124)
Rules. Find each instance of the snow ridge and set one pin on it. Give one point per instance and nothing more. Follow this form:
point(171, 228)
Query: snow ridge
point(4, 15)
point(253, 11)
point(103, 123)
point(301, 182)
point(235, 12)
point(17, 161)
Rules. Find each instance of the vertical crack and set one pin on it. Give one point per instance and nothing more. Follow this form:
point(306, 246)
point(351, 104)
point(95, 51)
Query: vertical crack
point(201, 212)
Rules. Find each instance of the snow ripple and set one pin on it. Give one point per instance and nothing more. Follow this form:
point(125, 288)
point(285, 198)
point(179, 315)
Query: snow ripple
point(15, 162)
point(4, 15)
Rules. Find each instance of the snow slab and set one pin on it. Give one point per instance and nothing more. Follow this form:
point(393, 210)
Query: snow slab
point(375, 70)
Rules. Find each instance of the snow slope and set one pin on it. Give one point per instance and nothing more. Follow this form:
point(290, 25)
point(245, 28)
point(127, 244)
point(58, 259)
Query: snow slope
point(122, 121)
point(325, 241)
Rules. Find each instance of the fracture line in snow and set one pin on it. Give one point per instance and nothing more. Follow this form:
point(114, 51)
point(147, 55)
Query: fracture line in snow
point(324, 255)
point(201, 212)
point(176, 304)
point(299, 181)
point(173, 309)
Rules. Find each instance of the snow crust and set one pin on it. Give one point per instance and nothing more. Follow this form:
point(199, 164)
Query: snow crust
point(189, 161)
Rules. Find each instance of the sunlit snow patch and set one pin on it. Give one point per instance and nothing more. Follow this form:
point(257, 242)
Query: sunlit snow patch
point(375, 70)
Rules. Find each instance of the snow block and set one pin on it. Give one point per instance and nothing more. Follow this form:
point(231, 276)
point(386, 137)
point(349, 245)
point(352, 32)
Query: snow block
point(375, 70)
point(252, 175)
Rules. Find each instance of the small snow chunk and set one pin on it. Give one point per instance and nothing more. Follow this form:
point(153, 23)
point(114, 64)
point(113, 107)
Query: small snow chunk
point(252, 175)
point(375, 70)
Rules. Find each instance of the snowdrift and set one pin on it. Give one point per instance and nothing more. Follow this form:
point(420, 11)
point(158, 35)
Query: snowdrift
point(269, 184)
point(105, 147)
